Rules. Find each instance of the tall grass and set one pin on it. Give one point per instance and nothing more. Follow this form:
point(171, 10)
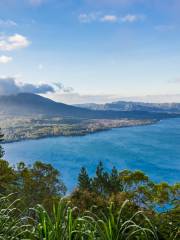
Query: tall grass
point(65, 225)
point(61, 225)
point(112, 226)
point(13, 225)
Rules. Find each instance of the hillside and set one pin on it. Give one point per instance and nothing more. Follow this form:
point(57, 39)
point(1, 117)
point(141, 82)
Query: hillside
point(134, 106)
point(32, 104)
point(25, 104)
point(30, 116)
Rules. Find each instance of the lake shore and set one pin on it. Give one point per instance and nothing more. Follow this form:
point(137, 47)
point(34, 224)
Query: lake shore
point(147, 148)
point(23, 133)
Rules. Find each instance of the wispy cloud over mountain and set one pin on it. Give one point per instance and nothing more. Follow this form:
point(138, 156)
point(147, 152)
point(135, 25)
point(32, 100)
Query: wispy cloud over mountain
point(75, 98)
point(9, 85)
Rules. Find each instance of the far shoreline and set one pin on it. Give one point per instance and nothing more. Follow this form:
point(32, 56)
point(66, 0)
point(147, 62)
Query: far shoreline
point(150, 122)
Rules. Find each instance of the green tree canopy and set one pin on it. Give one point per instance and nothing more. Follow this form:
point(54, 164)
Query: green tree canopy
point(84, 181)
point(40, 183)
point(7, 178)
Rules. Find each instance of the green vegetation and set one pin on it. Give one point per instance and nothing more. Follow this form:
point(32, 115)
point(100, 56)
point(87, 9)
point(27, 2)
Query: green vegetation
point(115, 205)
point(64, 223)
point(109, 206)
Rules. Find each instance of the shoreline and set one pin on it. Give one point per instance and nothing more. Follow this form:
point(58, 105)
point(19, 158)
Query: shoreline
point(150, 122)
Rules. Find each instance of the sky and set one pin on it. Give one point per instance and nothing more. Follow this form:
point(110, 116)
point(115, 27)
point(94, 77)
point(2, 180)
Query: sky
point(78, 51)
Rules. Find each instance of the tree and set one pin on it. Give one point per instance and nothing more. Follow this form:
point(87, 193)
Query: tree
point(162, 195)
point(85, 200)
point(132, 180)
point(39, 184)
point(7, 173)
point(139, 188)
point(7, 178)
point(84, 182)
point(1, 149)
point(114, 184)
point(100, 181)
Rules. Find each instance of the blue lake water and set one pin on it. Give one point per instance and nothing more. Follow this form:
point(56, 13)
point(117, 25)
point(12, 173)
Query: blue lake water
point(154, 149)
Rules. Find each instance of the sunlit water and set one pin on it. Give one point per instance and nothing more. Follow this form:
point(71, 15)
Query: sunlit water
point(154, 149)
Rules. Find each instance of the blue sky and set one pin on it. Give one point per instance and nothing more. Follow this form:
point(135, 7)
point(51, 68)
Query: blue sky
point(98, 50)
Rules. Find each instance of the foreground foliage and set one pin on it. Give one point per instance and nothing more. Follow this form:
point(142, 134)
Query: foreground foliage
point(13, 223)
point(115, 205)
point(109, 206)
point(65, 223)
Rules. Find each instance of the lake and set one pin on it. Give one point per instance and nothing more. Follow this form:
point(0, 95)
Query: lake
point(154, 149)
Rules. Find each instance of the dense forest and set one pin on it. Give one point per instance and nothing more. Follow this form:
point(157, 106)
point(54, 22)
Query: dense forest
point(109, 206)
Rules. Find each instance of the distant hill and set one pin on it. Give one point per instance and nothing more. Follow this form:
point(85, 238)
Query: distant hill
point(32, 104)
point(134, 106)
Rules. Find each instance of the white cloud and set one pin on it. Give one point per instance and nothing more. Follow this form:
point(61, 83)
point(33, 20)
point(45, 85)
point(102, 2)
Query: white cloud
point(76, 98)
point(109, 18)
point(175, 81)
point(5, 59)
point(7, 23)
point(90, 17)
point(171, 98)
point(164, 28)
point(9, 85)
point(130, 18)
point(13, 42)
point(99, 17)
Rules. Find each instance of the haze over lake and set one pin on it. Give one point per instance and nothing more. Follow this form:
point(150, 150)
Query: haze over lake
point(154, 149)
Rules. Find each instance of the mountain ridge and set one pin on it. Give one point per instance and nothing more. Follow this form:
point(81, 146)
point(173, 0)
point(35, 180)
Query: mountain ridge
point(32, 104)
point(134, 106)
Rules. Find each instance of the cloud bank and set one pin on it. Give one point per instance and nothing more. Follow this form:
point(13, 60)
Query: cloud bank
point(76, 98)
point(9, 85)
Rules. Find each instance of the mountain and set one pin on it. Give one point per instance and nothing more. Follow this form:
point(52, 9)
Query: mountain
point(32, 104)
point(134, 106)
